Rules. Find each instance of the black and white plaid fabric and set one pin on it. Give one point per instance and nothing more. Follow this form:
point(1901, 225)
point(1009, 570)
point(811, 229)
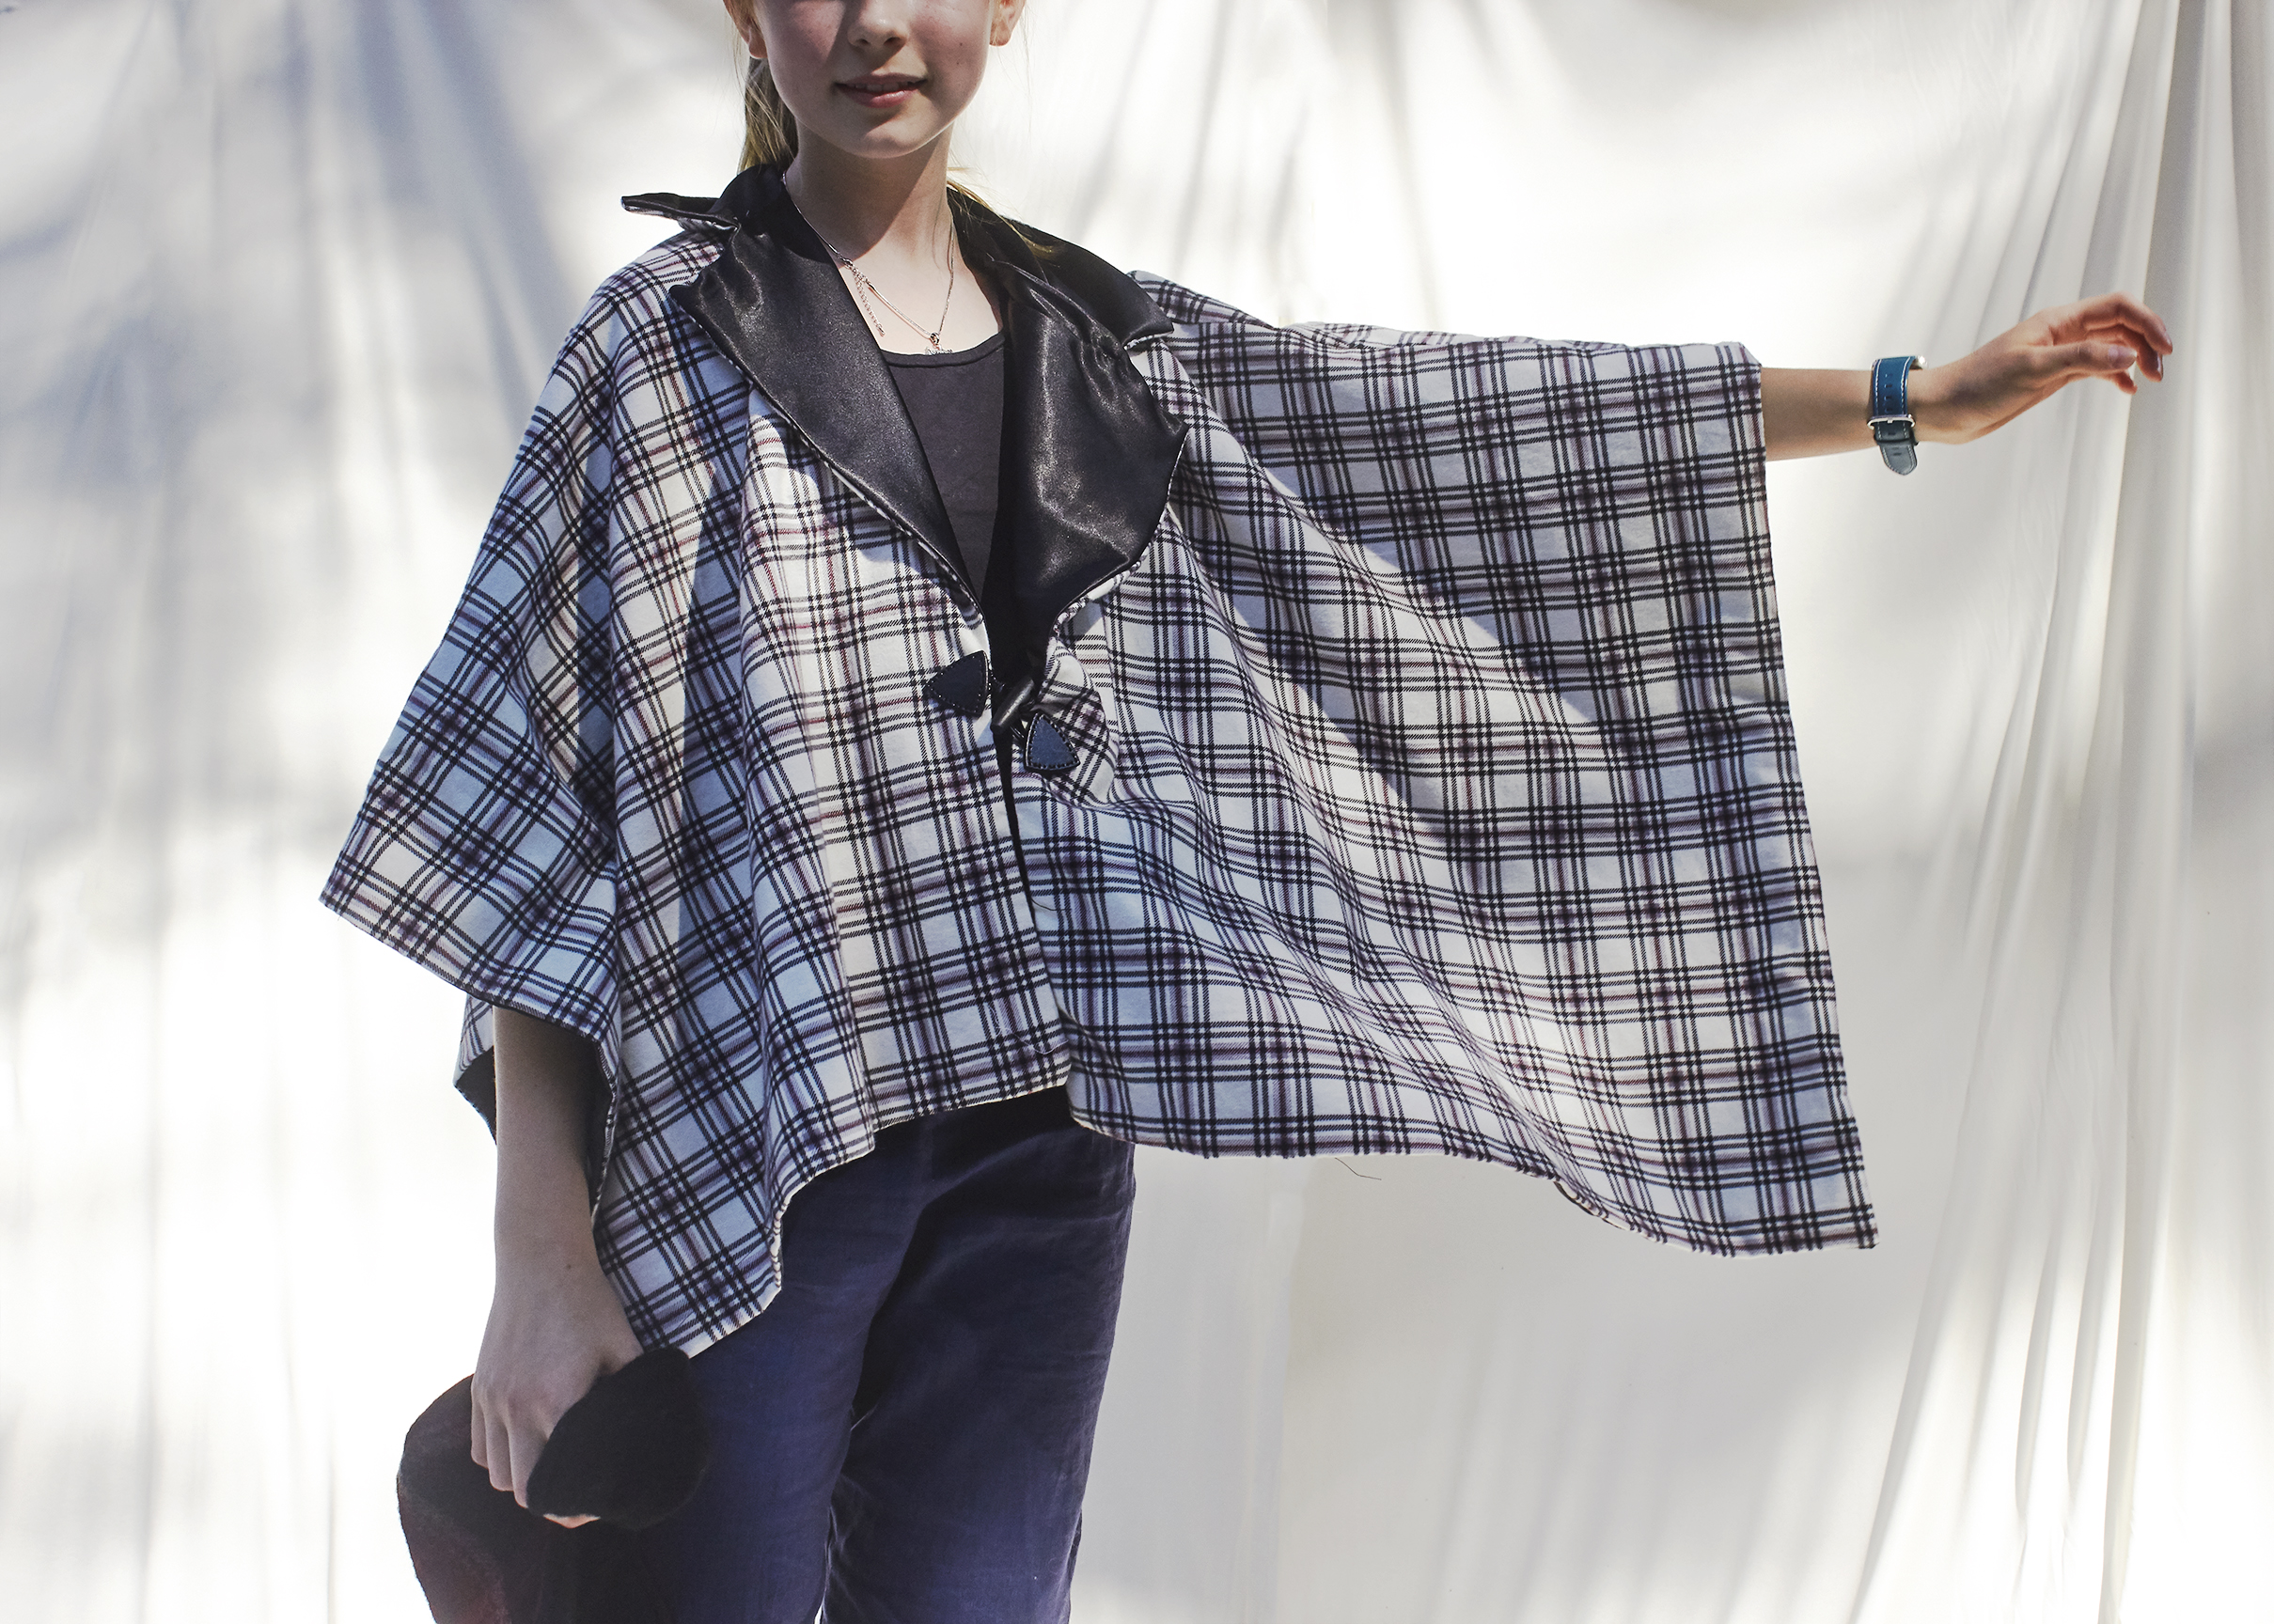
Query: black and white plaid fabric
point(1434, 792)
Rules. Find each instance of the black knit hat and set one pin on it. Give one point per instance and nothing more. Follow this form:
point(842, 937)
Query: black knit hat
point(629, 1452)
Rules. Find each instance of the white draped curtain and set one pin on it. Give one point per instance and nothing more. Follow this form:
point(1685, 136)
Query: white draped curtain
point(277, 282)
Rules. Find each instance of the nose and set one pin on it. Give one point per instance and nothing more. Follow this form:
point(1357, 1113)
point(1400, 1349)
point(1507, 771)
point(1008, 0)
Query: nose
point(877, 24)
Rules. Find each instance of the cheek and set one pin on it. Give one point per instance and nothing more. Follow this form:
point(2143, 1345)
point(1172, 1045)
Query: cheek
point(956, 66)
point(799, 42)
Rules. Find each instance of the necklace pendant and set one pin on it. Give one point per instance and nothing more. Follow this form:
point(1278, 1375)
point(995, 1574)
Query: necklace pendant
point(863, 290)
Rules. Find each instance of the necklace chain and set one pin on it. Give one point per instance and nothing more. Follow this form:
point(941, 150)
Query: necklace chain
point(865, 289)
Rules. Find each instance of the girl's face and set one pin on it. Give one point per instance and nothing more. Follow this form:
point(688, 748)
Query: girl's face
point(876, 78)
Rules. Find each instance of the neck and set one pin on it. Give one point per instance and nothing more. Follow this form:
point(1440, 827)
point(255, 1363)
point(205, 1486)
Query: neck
point(862, 204)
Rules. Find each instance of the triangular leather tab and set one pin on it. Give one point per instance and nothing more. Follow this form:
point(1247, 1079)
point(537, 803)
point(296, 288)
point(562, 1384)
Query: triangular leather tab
point(961, 687)
point(1047, 752)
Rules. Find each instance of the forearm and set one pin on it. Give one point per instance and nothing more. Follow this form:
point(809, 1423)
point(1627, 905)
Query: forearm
point(544, 1077)
point(555, 1322)
point(1812, 413)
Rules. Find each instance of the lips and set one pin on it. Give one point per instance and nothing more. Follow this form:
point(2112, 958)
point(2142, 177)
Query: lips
point(879, 89)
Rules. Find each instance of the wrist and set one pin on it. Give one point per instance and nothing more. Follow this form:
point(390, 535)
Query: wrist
point(1893, 424)
point(545, 1286)
point(1930, 401)
point(544, 1236)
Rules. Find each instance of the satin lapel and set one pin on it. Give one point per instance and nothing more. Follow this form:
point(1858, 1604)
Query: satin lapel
point(1086, 459)
point(777, 307)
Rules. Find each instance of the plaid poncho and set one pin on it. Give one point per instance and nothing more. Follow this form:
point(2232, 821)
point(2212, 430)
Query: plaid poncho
point(1432, 785)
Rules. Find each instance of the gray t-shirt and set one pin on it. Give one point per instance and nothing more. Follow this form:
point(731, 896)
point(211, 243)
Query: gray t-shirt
point(956, 401)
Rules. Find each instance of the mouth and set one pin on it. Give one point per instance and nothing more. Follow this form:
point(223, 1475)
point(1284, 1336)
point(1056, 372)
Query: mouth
point(879, 89)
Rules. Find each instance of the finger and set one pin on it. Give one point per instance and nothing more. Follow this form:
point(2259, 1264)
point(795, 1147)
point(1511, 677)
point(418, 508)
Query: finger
point(2141, 343)
point(2070, 321)
point(2089, 357)
point(2150, 361)
point(528, 1445)
point(480, 1441)
point(2151, 352)
point(501, 1454)
point(2124, 310)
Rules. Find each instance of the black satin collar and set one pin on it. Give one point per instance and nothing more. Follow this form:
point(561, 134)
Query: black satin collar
point(1088, 452)
point(777, 305)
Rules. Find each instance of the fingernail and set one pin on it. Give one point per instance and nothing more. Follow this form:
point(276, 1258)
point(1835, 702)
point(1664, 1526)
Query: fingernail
point(2120, 356)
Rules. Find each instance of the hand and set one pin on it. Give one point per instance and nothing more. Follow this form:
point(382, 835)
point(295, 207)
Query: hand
point(554, 1328)
point(2103, 338)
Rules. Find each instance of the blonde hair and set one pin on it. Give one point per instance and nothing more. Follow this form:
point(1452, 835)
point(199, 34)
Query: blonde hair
point(769, 134)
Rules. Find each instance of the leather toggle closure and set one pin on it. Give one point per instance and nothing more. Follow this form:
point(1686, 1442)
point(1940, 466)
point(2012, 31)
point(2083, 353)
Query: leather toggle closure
point(962, 687)
point(1047, 752)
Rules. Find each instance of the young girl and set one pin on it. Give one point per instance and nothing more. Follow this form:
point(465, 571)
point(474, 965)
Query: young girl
point(930, 711)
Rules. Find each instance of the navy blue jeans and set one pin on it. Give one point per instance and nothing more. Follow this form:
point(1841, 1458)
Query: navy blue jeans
point(904, 1434)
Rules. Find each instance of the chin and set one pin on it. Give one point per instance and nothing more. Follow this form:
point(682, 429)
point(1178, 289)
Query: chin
point(884, 144)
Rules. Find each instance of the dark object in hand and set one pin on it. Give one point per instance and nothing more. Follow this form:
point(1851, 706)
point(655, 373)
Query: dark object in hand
point(629, 1452)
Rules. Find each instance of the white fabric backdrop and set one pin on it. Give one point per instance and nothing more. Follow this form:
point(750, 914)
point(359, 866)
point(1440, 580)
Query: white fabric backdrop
point(277, 281)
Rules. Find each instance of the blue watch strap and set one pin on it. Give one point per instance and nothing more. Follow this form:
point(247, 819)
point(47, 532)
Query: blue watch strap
point(1891, 425)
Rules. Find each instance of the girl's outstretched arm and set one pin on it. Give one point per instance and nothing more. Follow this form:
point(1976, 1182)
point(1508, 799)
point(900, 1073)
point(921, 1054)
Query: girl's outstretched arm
point(1809, 413)
point(554, 1325)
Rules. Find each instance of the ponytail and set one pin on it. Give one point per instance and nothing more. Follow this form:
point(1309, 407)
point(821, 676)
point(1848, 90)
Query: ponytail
point(769, 134)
